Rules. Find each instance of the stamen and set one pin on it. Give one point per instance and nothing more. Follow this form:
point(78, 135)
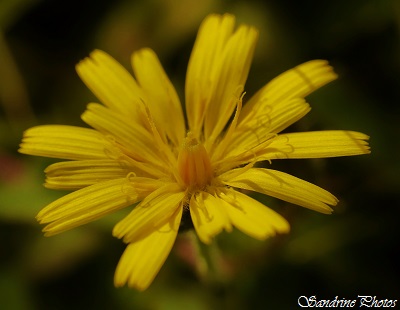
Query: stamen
point(194, 164)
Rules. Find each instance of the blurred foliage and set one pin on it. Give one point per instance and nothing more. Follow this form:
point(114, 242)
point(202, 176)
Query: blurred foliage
point(353, 251)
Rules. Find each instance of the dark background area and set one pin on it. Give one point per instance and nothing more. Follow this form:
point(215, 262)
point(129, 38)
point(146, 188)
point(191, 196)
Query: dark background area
point(349, 253)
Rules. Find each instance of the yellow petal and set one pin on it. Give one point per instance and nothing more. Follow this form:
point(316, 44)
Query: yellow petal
point(252, 217)
point(160, 95)
point(66, 142)
point(294, 83)
point(317, 144)
point(283, 186)
point(143, 259)
point(111, 83)
point(263, 127)
point(153, 210)
point(217, 71)
point(208, 216)
point(77, 174)
point(87, 204)
point(211, 39)
point(131, 136)
point(230, 76)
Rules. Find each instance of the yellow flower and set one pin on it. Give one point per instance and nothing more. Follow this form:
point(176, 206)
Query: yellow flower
point(141, 151)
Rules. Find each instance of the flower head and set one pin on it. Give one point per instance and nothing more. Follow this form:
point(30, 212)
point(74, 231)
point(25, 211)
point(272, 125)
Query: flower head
point(140, 151)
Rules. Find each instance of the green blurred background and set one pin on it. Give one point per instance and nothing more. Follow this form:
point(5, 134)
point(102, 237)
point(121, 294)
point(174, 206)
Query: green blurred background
point(352, 252)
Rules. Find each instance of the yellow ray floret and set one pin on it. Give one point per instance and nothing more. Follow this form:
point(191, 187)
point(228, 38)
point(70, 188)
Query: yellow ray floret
point(143, 259)
point(209, 216)
point(317, 144)
point(283, 186)
point(113, 85)
point(252, 217)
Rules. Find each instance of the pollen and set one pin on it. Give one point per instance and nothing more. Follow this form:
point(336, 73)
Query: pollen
point(194, 164)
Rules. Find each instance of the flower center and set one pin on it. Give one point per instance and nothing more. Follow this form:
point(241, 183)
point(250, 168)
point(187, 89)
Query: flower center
point(194, 164)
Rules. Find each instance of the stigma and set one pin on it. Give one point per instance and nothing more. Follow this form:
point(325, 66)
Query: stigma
point(194, 164)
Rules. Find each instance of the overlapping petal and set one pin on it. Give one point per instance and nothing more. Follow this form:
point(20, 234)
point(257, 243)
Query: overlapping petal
point(247, 138)
point(152, 212)
point(130, 136)
point(66, 142)
point(283, 186)
point(294, 83)
point(233, 68)
point(211, 39)
point(143, 259)
point(112, 84)
point(208, 217)
point(159, 94)
point(217, 72)
point(251, 216)
point(89, 204)
point(78, 174)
